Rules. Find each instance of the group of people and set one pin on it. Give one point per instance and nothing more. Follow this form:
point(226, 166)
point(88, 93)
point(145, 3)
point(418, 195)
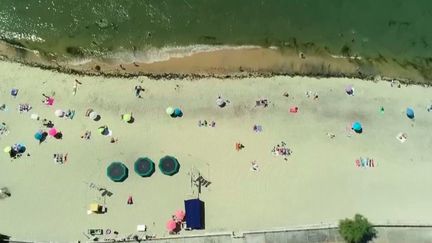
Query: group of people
point(282, 150)
point(310, 94)
point(262, 102)
point(206, 124)
point(365, 162)
point(60, 158)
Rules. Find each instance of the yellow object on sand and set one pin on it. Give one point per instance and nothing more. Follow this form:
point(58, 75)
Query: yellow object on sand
point(101, 130)
point(94, 207)
point(7, 149)
point(127, 117)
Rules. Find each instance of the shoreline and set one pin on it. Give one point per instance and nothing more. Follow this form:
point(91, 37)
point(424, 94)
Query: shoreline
point(234, 62)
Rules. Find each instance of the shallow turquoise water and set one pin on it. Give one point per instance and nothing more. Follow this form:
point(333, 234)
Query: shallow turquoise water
point(395, 28)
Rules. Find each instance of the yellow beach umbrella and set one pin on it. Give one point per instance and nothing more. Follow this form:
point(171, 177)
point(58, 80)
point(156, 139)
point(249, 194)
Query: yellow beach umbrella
point(170, 110)
point(101, 129)
point(7, 149)
point(127, 117)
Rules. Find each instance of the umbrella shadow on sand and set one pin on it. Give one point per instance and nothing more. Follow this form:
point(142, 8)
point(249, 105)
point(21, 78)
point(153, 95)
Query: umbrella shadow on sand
point(58, 135)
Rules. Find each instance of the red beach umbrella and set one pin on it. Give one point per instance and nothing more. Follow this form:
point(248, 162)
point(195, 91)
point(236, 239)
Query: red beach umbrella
point(171, 225)
point(180, 214)
point(52, 132)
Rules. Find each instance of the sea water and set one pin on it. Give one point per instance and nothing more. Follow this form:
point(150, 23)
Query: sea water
point(158, 29)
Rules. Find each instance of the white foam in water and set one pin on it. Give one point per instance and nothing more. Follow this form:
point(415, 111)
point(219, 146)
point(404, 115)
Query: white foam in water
point(152, 55)
point(20, 36)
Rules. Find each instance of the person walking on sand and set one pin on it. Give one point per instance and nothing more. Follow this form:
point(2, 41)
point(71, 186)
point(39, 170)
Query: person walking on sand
point(75, 86)
point(138, 90)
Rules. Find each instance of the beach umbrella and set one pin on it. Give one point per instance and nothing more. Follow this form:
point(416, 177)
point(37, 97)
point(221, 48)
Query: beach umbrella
point(410, 113)
point(144, 167)
point(171, 225)
point(357, 127)
point(117, 172)
point(38, 136)
point(220, 102)
point(50, 101)
point(52, 132)
point(7, 149)
point(127, 117)
point(178, 112)
point(180, 214)
point(93, 115)
point(59, 113)
point(349, 89)
point(169, 110)
point(169, 165)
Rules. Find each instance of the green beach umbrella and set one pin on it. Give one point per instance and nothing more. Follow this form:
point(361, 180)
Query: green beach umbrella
point(117, 172)
point(144, 167)
point(169, 165)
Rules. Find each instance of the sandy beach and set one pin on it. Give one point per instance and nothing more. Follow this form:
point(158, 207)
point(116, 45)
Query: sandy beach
point(229, 62)
point(318, 183)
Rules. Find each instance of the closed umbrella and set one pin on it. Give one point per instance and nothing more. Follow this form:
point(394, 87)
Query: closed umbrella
point(410, 113)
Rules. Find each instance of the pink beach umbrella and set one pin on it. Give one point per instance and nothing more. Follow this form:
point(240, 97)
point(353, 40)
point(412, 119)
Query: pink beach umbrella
point(50, 101)
point(171, 225)
point(180, 214)
point(52, 132)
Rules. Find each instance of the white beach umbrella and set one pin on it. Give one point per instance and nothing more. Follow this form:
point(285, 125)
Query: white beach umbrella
point(220, 102)
point(93, 115)
point(169, 110)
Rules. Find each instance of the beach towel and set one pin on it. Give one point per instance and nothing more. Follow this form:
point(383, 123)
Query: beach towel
point(357, 162)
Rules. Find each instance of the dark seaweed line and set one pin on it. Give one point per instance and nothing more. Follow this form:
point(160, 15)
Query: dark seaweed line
point(196, 76)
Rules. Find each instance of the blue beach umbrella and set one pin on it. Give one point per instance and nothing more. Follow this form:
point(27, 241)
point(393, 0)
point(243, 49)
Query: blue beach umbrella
point(357, 127)
point(410, 113)
point(38, 136)
point(178, 112)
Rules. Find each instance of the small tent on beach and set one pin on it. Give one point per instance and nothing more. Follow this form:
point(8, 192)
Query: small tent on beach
point(195, 214)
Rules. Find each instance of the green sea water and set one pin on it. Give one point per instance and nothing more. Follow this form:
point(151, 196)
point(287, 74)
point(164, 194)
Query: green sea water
point(399, 29)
